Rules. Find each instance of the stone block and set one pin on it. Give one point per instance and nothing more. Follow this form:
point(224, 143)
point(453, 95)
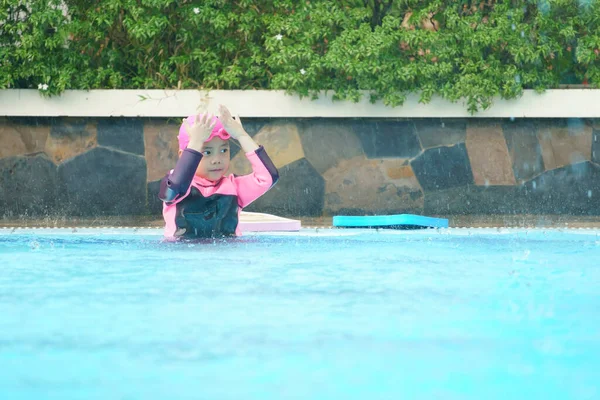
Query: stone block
point(282, 143)
point(103, 182)
point(155, 205)
point(70, 137)
point(565, 142)
point(20, 138)
point(443, 168)
point(252, 126)
point(488, 155)
point(299, 192)
point(325, 143)
point(71, 127)
point(524, 148)
point(28, 186)
point(161, 148)
point(477, 200)
point(382, 139)
point(573, 190)
point(12, 142)
point(360, 185)
point(435, 132)
point(125, 134)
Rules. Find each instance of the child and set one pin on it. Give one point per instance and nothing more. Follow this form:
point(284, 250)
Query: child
point(199, 200)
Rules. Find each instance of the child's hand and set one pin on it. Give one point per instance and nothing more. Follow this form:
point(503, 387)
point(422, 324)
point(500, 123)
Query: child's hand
point(200, 130)
point(232, 125)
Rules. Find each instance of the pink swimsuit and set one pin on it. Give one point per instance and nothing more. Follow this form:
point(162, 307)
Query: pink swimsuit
point(195, 207)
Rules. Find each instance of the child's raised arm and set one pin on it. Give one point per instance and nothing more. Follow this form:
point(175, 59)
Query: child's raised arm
point(234, 127)
point(264, 173)
point(176, 183)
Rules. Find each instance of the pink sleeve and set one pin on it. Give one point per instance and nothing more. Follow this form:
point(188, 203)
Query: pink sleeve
point(169, 214)
point(264, 175)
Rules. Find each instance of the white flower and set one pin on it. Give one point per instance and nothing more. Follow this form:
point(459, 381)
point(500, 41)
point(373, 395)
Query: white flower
point(302, 71)
point(279, 36)
point(196, 10)
point(44, 87)
point(40, 86)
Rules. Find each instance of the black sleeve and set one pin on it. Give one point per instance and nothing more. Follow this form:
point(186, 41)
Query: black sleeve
point(178, 182)
point(266, 160)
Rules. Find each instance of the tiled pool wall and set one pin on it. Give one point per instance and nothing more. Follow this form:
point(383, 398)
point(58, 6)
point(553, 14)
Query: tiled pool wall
point(92, 167)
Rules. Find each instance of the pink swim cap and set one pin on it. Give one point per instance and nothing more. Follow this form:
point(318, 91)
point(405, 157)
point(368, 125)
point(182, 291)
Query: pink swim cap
point(184, 138)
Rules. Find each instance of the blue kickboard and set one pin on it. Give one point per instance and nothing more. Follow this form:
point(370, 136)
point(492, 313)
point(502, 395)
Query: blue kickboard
point(400, 221)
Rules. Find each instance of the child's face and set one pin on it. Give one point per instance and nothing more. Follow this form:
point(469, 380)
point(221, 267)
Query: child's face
point(215, 159)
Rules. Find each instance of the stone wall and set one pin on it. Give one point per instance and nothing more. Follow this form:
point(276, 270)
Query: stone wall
point(112, 166)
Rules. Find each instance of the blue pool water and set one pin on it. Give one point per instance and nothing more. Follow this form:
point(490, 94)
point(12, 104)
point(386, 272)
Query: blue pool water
point(330, 314)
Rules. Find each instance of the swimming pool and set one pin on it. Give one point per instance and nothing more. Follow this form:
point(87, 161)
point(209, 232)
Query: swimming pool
point(319, 314)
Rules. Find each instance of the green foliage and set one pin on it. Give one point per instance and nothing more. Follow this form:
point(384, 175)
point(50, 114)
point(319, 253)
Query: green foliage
point(473, 50)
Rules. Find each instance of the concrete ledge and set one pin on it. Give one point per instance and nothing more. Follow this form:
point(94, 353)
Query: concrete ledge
point(571, 103)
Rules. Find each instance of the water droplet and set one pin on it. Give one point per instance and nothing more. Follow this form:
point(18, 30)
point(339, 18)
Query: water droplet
point(487, 183)
point(512, 119)
point(533, 184)
point(514, 27)
point(590, 194)
point(522, 34)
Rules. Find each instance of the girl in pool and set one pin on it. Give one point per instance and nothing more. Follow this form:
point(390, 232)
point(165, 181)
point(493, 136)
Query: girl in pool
point(199, 199)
